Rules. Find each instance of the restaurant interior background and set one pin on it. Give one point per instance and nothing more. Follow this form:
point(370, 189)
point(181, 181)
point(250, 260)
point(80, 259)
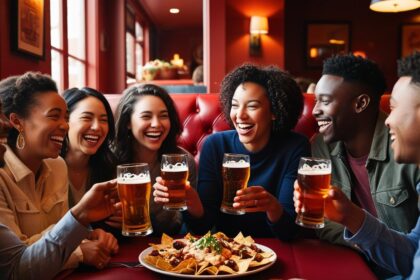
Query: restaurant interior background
point(222, 27)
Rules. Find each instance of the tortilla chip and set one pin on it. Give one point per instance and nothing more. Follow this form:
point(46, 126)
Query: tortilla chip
point(243, 265)
point(226, 269)
point(220, 235)
point(166, 240)
point(202, 265)
point(185, 264)
point(248, 241)
point(266, 255)
point(239, 238)
point(163, 265)
point(261, 263)
point(212, 270)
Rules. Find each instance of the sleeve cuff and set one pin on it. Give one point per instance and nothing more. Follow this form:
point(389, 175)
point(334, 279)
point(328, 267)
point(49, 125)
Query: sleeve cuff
point(366, 235)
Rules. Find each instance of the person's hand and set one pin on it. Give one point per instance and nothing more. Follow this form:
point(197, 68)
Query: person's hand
point(258, 199)
point(338, 208)
point(115, 220)
point(106, 239)
point(95, 254)
point(98, 203)
point(192, 199)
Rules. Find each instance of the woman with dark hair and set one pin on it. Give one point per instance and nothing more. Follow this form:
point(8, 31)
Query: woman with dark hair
point(87, 149)
point(148, 126)
point(33, 181)
point(263, 105)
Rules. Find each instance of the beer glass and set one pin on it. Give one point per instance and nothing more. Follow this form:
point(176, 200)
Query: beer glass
point(174, 172)
point(236, 172)
point(134, 189)
point(314, 177)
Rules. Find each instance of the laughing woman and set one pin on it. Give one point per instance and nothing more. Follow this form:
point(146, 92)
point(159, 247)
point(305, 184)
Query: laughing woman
point(33, 181)
point(87, 150)
point(147, 126)
point(263, 105)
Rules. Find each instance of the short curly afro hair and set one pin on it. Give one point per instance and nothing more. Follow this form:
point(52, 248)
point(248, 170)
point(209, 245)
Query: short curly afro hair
point(284, 94)
point(410, 66)
point(356, 69)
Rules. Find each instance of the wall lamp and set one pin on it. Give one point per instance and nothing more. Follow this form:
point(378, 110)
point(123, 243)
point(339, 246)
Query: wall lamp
point(394, 6)
point(258, 26)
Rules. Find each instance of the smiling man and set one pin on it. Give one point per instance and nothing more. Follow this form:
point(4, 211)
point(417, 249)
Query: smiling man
point(354, 136)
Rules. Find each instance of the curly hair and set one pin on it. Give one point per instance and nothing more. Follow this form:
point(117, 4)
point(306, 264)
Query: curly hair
point(124, 145)
point(102, 164)
point(18, 94)
point(282, 91)
point(359, 70)
point(410, 66)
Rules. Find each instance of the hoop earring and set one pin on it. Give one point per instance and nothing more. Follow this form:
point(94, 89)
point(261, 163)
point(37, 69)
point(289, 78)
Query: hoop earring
point(20, 141)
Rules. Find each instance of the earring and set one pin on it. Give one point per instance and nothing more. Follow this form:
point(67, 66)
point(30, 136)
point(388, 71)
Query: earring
point(20, 141)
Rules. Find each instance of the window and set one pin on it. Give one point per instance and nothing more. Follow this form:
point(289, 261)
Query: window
point(68, 44)
point(134, 38)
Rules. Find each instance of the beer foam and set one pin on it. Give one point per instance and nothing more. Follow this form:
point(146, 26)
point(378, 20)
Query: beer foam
point(319, 169)
point(175, 167)
point(236, 164)
point(129, 178)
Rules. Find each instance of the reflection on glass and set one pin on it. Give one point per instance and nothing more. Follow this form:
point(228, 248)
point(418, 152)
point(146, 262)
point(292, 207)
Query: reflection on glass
point(76, 73)
point(56, 66)
point(55, 15)
point(76, 28)
point(130, 53)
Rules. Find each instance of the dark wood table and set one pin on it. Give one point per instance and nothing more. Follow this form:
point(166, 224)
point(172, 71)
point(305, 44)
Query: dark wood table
point(305, 258)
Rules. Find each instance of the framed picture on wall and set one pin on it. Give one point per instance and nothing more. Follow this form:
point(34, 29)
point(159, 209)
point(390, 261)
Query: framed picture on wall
point(324, 39)
point(410, 38)
point(28, 27)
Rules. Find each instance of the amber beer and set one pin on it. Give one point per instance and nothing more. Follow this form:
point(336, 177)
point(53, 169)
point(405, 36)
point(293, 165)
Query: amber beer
point(134, 192)
point(175, 179)
point(235, 172)
point(314, 184)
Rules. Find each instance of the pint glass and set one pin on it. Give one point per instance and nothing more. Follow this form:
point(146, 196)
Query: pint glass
point(174, 172)
point(134, 189)
point(314, 177)
point(236, 172)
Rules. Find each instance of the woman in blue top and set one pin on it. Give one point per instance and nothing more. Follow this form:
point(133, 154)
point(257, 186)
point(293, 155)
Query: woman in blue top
point(263, 105)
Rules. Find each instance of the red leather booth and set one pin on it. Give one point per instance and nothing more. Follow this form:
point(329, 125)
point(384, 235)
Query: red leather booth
point(200, 115)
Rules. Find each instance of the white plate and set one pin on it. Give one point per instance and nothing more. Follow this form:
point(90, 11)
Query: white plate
point(258, 269)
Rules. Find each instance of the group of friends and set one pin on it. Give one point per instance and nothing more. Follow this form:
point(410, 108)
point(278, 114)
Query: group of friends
point(62, 150)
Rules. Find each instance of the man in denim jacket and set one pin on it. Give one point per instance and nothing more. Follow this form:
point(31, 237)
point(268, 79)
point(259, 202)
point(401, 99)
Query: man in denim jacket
point(354, 136)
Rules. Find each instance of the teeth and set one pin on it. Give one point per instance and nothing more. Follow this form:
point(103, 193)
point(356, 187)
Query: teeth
point(93, 137)
point(153, 134)
point(57, 138)
point(244, 126)
point(323, 123)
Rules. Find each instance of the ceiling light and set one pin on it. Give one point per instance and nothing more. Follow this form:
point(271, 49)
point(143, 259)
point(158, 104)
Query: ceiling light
point(174, 10)
point(389, 6)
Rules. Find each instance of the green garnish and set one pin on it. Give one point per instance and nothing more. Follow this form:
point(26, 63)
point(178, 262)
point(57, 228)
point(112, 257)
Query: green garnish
point(209, 242)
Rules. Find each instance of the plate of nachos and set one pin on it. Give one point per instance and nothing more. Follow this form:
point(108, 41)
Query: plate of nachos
point(211, 256)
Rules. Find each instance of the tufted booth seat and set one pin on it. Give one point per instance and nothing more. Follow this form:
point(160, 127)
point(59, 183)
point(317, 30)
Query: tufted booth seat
point(200, 115)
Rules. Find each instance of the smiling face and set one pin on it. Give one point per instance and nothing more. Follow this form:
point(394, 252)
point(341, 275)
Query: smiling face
point(404, 121)
point(251, 115)
point(45, 126)
point(150, 123)
point(334, 108)
point(88, 126)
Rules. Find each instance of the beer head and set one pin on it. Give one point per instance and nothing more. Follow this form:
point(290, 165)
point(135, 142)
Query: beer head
point(178, 167)
point(128, 179)
point(236, 164)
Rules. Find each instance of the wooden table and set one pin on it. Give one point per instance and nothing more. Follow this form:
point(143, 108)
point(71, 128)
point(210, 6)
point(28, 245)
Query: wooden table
point(305, 258)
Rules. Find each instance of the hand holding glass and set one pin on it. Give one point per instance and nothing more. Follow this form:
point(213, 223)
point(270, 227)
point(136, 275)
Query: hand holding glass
point(236, 171)
point(314, 177)
point(174, 172)
point(134, 189)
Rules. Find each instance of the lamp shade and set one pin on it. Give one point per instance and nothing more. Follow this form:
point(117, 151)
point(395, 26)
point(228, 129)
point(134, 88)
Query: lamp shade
point(259, 25)
point(394, 6)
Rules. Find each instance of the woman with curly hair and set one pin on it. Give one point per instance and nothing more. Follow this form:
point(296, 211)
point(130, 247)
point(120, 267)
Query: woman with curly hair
point(263, 105)
point(148, 126)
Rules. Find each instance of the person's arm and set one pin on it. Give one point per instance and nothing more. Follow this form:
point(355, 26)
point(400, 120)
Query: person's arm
point(44, 258)
point(388, 248)
point(207, 188)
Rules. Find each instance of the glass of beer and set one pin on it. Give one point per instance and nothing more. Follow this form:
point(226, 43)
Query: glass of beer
point(236, 171)
point(134, 189)
point(314, 175)
point(174, 172)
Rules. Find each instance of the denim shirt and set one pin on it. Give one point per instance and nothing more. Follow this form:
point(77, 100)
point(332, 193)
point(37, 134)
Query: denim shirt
point(390, 249)
point(392, 185)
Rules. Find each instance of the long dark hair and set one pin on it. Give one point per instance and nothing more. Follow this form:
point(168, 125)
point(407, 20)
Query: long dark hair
point(124, 146)
point(102, 164)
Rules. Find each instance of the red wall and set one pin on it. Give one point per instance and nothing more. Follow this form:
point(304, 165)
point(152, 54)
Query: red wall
point(238, 14)
point(377, 34)
point(15, 63)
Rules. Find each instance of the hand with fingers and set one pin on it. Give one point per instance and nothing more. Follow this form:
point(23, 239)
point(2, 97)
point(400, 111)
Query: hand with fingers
point(338, 208)
point(257, 199)
point(194, 205)
point(98, 249)
point(106, 239)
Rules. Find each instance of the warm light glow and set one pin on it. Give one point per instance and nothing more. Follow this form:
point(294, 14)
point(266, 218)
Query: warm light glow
point(336, 42)
point(174, 10)
point(177, 61)
point(393, 6)
point(259, 25)
point(360, 53)
point(313, 52)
